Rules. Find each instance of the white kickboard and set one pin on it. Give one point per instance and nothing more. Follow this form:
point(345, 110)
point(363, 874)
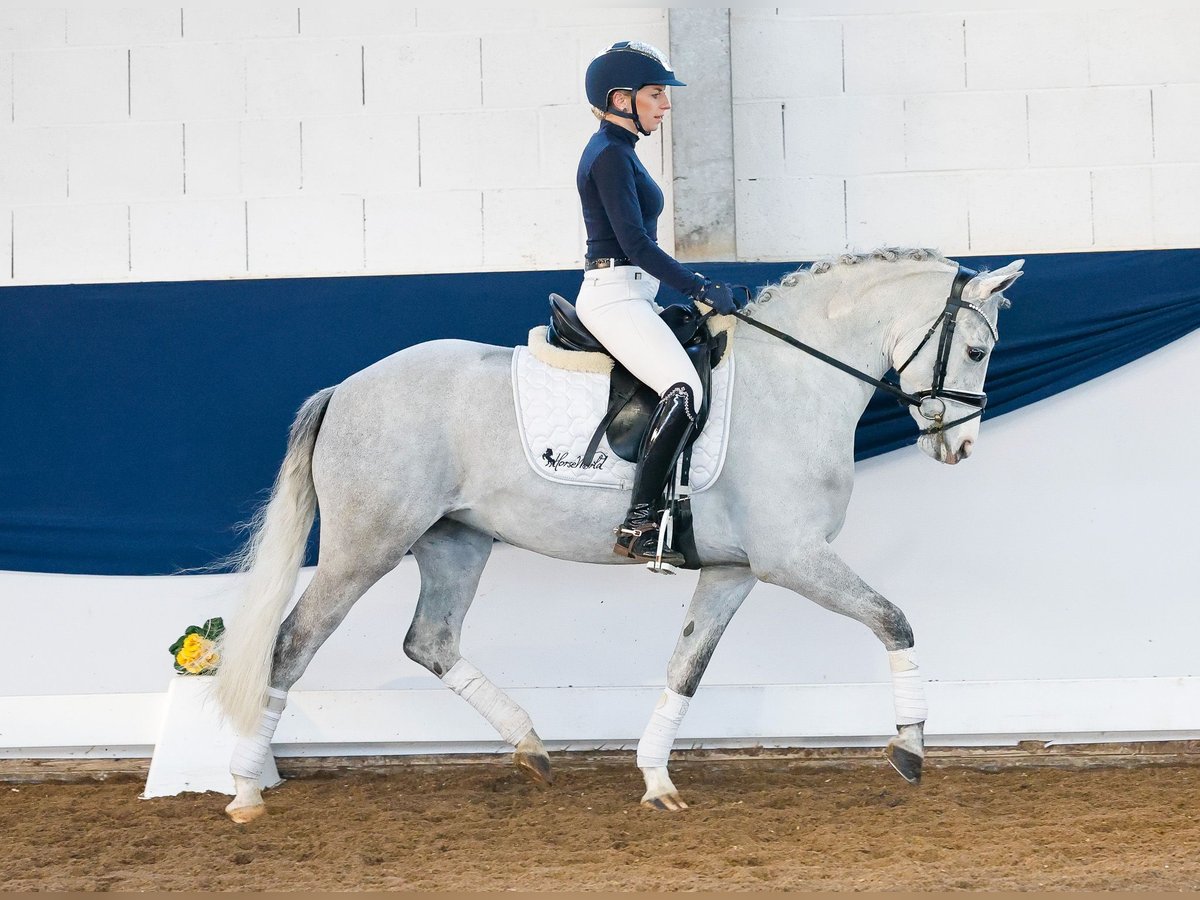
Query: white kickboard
point(194, 745)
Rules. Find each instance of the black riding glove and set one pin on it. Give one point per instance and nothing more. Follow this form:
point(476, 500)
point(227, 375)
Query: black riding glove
point(717, 295)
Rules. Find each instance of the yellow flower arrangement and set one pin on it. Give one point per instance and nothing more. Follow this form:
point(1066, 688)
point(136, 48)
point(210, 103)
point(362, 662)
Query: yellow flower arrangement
point(195, 652)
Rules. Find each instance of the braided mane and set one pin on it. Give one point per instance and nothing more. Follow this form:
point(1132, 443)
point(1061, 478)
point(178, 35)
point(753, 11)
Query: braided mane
point(838, 260)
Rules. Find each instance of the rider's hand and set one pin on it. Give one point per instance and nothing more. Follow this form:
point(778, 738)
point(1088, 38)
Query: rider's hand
point(718, 295)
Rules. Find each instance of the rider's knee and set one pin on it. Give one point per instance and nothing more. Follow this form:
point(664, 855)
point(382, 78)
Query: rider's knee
point(695, 386)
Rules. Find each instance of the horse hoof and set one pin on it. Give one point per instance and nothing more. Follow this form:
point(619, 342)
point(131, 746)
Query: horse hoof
point(244, 814)
point(665, 803)
point(907, 763)
point(535, 767)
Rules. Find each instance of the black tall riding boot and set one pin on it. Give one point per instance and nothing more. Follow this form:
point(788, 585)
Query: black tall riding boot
point(667, 434)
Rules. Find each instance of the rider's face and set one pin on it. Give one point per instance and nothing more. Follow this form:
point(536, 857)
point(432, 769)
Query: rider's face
point(652, 105)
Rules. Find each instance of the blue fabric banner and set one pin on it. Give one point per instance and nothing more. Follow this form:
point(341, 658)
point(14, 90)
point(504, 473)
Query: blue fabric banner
point(143, 421)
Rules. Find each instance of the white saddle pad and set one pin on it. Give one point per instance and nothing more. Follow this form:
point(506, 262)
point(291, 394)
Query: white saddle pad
point(558, 411)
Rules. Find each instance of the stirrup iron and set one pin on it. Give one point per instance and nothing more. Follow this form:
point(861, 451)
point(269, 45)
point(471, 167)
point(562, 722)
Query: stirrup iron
point(666, 527)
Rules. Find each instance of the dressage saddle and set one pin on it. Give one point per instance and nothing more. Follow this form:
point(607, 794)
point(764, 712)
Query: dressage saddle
point(630, 402)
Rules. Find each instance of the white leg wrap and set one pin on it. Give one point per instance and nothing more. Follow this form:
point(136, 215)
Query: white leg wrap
point(509, 720)
point(250, 752)
point(655, 745)
point(907, 687)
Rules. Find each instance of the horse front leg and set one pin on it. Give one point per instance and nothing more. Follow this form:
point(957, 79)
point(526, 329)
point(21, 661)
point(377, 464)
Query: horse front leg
point(819, 573)
point(717, 597)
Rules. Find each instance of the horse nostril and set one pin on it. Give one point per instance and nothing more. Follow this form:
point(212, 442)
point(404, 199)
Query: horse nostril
point(965, 450)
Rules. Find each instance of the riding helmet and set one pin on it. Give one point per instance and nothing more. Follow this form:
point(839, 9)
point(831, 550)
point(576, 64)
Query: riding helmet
point(626, 66)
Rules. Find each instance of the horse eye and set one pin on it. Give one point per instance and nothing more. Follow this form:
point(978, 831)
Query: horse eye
point(976, 353)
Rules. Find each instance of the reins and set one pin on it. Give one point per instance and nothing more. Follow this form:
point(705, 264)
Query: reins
point(936, 391)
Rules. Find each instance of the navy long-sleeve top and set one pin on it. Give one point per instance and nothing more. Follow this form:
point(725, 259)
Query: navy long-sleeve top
point(621, 206)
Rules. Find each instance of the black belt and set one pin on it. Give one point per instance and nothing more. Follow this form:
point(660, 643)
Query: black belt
point(607, 263)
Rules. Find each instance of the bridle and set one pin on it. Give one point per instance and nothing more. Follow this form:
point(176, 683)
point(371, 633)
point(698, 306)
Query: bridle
point(937, 391)
point(930, 403)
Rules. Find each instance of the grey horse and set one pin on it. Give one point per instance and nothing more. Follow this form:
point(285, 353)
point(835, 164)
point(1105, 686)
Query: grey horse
point(403, 456)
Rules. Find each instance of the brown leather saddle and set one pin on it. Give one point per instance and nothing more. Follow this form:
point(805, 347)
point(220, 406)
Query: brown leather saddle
point(630, 402)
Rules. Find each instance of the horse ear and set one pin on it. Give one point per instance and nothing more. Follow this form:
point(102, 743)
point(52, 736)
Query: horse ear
point(984, 285)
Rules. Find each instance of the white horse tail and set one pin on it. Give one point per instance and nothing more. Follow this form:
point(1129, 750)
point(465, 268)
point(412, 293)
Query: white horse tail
point(271, 559)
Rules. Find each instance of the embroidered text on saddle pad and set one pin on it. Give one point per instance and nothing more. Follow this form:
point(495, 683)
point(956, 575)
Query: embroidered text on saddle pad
point(558, 410)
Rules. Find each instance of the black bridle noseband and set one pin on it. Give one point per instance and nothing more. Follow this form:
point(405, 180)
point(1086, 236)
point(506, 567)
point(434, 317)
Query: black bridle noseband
point(931, 403)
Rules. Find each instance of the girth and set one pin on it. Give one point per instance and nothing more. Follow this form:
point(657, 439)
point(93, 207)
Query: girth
point(630, 402)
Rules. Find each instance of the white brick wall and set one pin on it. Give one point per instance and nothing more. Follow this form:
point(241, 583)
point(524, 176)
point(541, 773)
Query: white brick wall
point(777, 58)
point(1090, 126)
point(6, 87)
point(1176, 115)
point(212, 158)
point(121, 27)
point(843, 135)
point(160, 142)
point(1150, 43)
point(359, 155)
point(394, 69)
point(28, 26)
point(882, 205)
point(777, 215)
point(228, 21)
point(355, 19)
point(401, 236)
point(302, 77)
point(269, 157)
point(80, 242)
point(1031, 50)
point(1175, 191)
point(326, 138)
point(479, 149)
point(551, 213)
point(188, 82)
point(911, 53)
point(197, 238)
point(287, 235)
point(125, 162)
point(1031, 208)
point(70, 87)
point(990, 128)
point(937, 137)
point(1123, 207)
point(6, 217)
point(515, 77)
point(33, 165)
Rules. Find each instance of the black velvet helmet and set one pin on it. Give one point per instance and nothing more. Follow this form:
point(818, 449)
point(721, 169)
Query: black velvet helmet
point(626, 66)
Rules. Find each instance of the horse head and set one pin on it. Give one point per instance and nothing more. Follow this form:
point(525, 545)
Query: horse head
point(944, 363)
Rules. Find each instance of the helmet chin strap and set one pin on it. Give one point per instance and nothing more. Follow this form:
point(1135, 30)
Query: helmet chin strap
point(637, 122)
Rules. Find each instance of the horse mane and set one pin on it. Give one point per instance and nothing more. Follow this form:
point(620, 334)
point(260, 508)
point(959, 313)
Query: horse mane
point(839, 260)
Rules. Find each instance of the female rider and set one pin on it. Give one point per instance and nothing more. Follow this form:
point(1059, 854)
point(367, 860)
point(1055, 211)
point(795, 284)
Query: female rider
point(627, 88)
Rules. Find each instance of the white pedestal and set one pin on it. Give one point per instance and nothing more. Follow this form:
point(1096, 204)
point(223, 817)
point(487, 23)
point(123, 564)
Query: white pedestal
point(194, 745)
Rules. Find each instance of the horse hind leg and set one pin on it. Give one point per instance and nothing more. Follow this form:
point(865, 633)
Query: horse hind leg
point(335, 588)
point(718, 595)
point(451, 558)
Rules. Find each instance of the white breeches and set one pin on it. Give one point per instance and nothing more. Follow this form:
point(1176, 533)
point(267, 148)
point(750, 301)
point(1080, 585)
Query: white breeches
point(615, 306)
